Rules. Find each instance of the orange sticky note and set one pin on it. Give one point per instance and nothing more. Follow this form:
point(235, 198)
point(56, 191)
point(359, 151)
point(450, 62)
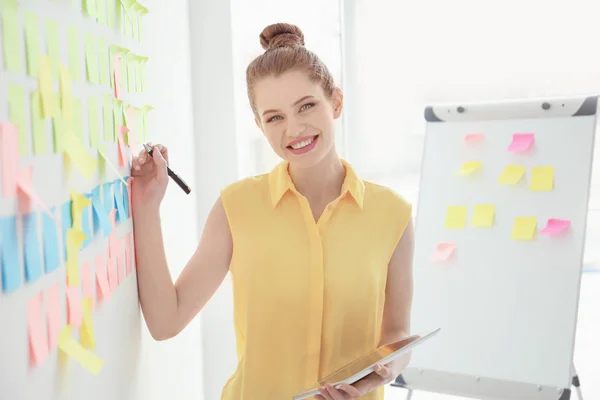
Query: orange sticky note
point(74, 313)
point(70, 347)
point(9, 147)
point(442, 252)
point(103, 292)
point(87, 288)
point(38, 346)
point(122, 152)
point(117, 76)
point(53, 314)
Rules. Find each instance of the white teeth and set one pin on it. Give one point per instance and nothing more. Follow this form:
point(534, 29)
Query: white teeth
point(302, 144)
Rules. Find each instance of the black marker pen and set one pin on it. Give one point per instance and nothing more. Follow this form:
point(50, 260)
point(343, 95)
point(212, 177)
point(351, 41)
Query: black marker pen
point(172, 174)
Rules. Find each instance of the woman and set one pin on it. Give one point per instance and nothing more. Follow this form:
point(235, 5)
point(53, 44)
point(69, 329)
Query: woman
point(321, 261)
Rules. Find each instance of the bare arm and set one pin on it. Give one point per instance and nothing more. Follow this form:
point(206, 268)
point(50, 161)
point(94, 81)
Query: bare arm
point(168, 307)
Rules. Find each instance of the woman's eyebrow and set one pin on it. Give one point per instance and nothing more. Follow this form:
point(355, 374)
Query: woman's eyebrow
point(300, 100)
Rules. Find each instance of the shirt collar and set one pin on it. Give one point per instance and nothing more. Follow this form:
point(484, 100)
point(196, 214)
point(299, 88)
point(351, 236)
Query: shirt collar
point(280, 182)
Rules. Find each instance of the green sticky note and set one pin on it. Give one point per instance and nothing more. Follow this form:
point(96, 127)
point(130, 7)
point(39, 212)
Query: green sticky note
point(53, 43)
point(123, 74)
point(32, 43)
point(103, 66)
point(16, 115)
point(58, 127)
point(136, 26)
point(117, 117)
point(110, 12)
point(131, 65)
point(38, 126)
point(107, 118)
point(78, 118)
point(91, 62)
point(11, 35)
point(101, 11)
point(73, 44)
point(143, 77)
point(93, 122)
point(89, 7)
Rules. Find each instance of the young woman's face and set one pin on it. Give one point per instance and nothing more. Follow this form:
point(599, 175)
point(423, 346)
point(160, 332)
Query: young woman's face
point(297, 117)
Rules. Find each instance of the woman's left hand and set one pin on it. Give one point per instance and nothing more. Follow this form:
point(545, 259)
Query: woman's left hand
point(382, 375)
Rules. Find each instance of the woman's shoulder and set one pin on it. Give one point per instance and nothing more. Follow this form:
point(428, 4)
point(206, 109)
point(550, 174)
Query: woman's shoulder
point(378, 194)
point(246, 186)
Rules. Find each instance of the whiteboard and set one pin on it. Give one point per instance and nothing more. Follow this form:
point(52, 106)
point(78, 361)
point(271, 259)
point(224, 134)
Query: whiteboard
point(507, 308)
point(116, 321)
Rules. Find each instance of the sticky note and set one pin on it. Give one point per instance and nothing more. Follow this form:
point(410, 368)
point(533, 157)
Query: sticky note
point(9, 254)
point(473, 137)
point(128, 210)
point(111, 269)
point(74, 311)
point(75, 240)
point(86, 331)
point(89, 7)
point(50, 243)
point(107, 196)
point(511, 175)
point(53, 45)
point(32, 42)
point(128, 254)
point(31, 248)
point(66, 96)
point(11, 35)
point(58, 128)
point(91, 61)
point(107, 120)
point(24, 178)
point(53, 314)
point(17, 115)
point(101, 11)
point(78, 154)
point(110, 13)
point(25, 185)
point(120, 262)
point(46, 87)
point(521, 142)
point(38, 126)
point(470, 167)
point(77, 127)
point(483, 215)
point(116, 61)
point(103, 292)
point(87, 281)
point(66, 223)
point(131, 65)
point(118, 189)
point(524, 228)
point(79, 202)
point(131, 242)
point(86, 227)
point(102, 216)
point(456, 217)
point(122, 152)
point(76, 351)
point(93, 122)
point(9, 159)
point(73, 47)
point(555, 226)
point(542, 179)
point(38, 345)
point(103, 67)
point(442, 252)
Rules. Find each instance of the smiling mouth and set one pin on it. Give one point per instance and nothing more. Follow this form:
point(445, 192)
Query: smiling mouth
point(302, 144)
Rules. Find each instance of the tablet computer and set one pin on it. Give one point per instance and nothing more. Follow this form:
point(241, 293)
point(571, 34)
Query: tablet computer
point(364, 365)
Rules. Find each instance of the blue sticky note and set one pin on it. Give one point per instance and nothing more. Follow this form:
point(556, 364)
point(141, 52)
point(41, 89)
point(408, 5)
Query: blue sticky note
point(95, 222)
point(85, 226)
point(31, 248)
point(11, 268)
point(50, 238)
point(67, 222)
point(119, 202)
point(107, 196)
point(101, 216)
point(126, 201)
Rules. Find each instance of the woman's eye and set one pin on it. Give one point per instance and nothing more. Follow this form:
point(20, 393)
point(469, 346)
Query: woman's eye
point(273, 118)
point(306, 106)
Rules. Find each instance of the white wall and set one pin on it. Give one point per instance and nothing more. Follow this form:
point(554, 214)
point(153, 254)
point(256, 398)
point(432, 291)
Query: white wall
point(173, 369)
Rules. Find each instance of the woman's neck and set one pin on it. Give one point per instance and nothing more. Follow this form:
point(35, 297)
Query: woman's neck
point(321, 182)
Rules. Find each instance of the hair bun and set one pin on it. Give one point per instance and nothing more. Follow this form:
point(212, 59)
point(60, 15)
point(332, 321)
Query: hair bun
point(281, 35)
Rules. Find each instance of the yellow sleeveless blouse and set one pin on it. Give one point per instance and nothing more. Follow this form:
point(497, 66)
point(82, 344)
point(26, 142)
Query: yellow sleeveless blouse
point(308, 295)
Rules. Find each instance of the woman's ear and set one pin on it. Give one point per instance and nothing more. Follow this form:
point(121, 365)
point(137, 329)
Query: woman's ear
point(257, 122)
point(338, 102)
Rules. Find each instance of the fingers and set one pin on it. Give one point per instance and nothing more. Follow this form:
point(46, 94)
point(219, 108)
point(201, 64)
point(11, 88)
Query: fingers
point(161, 164)
point(333, 393)
point(350, 390)
point(383, 370)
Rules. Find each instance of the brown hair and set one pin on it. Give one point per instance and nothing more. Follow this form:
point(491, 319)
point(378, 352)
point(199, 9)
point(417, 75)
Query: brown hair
point(285, 51)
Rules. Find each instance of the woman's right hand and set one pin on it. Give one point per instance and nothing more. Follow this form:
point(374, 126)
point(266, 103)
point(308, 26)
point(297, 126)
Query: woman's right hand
point(150, 177)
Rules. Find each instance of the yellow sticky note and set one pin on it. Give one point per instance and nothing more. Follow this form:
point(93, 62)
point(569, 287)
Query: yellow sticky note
point(483, 215)
point(32, 42)
point(77, 127)
point(66, 96)
point(103, 67)
point(78, 203)
point(53, 45)
point(524, 228)
point(45, 82)
point(73, 46)
point(91, 61)
point(456, 217)
point(86, 331)
point(78, 154)
point(469, 167)
point(16, 114)
point(58, 127)
point(512, 174)
point(38, 127)
point(76, 351)
point(93, 122)
point(75, 240)
point(9, 14)
point(542, 179)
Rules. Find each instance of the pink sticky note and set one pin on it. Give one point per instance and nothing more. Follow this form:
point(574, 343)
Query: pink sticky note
point(128, 254)
point(87, 282)
point(114, 245)
point(120, 268)
point(472, 137)
point(122, 152)
point(112, 216)
point(111, 269)
point(103, 292)
point(9, 157)
point(129, 193)
point(53, 314)
point(117, 76)
point(38, 345)
point(27, 193)
point(555, 226)
point(443, 251)
point(521, 142)
point(74, 310)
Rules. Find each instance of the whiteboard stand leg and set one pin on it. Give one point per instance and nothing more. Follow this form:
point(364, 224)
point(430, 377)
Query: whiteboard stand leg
point(409, 394)
point(576, 384)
